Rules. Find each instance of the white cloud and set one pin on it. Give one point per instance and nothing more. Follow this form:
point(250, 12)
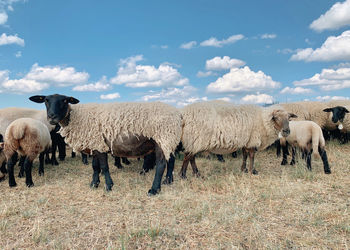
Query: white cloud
point(295, 91)
point(226, 99)
point(101, 85)
point(188, 45)
point(268, 36)
point(214, 42)
point(136, 76)
point(218, 63)
point(63, 76)
point(327, 98)
point(333, 49)
point(336, 17)
point(18, 54)
point(3, 18)
point(242, 80)
point(258, 99)
point(20, 85)
point(5, 40)
point(110, 96)
point(328, 79)
point(205, 74)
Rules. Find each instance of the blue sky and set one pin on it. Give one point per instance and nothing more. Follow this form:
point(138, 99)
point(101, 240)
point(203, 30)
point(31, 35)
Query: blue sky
point(177, 52)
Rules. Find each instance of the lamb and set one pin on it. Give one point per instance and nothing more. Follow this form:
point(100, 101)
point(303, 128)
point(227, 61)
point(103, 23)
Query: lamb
point(308, 136)
point(28, 137)
point(221, 128)
point(124, 129)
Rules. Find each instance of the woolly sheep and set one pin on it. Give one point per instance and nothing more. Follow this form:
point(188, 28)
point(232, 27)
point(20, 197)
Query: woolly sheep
point(124, 129)
point(221, 128)
point(28, 137)
point(308, 136)
point(343, 120)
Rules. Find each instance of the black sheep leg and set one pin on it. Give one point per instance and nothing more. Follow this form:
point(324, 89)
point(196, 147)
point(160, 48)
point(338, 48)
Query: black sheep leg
point(308, 160)
point(195, 170)
point(284, 154)
point(28, 168)
point(103, 161)
point(84, 159)
point(10, 165)
point(117, 162)
point(41, 163)
point(97, 170)
point(324, 158)
point(170, 169)
point(294, 149)
point(21, 166)
point(53, 153)
point(61, 147)
point(220, 158)
point(244, 162)
point(149, 161)
point(160, 167)
point(278, 149)
point(73, 154)
point(125, 161)
point(3, 168)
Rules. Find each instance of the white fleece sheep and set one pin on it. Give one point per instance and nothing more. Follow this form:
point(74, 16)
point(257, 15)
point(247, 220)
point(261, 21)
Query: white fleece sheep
point(28, 137)
point(222, 128)
point(308, 136)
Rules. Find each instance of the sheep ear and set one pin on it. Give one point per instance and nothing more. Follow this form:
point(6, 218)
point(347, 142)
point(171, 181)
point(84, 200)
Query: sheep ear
point(37, 98)
point(346, 111)
point(327, 110)
point(291, 115)
point(72, 100)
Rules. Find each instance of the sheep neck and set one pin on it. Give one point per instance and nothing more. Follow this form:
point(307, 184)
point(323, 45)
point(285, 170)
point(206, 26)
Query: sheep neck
point(65, 121)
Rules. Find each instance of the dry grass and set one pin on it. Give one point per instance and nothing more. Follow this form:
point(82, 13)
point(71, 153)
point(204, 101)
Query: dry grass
point(282, 207)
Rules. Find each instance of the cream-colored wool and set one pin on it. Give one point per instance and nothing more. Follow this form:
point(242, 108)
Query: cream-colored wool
point(306, 135)
point(91, 125)
point(27, 136)
point(316, 113)
point(297, 109)
point(221, 127)
point(346, 122)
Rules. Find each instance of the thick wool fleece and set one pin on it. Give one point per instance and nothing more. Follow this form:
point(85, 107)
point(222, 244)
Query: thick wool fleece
point(26, 136)
point(91, 125)
point(316, 113)
point(297, 109)
point(220, 126)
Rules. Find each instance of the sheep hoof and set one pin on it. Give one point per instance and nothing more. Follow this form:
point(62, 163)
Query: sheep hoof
point(20, 175)
point(30, 184)
point(245, 170)
point(85, 162)
point(168, 180)
point(120, 166)
point(41, 173)
point(328, 171)
point(94, 184)
point(12, 184)
point(292, 163)
point(55, 162)
point(284, 162)
point(255, 172)
point(183, 176)
point(109, 187)
point(153, 192)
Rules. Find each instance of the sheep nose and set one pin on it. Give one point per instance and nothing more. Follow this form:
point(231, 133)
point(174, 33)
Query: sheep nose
point(51, 115)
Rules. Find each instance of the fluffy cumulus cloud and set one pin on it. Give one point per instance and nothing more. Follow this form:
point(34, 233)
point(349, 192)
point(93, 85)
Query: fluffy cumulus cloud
point(3, 18)
point(188, 45)
point(214, 42)
point(295, 91)
point(336, 17)
point(268, 36)
point(333, 49)
point(134, 75)
point(258, 99)
point(242, 80)
point(111, 96)
point(327, 98)
point(205, 73)
point(328, 79)
point(101, 85)
point(6, 40)
point(19, 85)
point(222, 63)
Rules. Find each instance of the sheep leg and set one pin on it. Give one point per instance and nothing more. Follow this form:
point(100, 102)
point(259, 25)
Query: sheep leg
point(324, 158)
point(252, 170)
point(117, 162)
point(278, 149)
point(234, 154)
point(3, 168)
point(97, 170)
point(84, 159)
point(220, 158)
point(41, 163)
point(47, 158)
point(185, 162)
point(244, 163)
point(10, 165)
point(170, 169)
point(53, 154)
point(28, 168)
point(125, 161)
point(73, 154)
point(308, 160)
point(284, 154)
point(294, 149)
point(160, 167)
point(21, 166)
point(194, 166)
point(103, 160)
point(61, 148)
point(148, 162)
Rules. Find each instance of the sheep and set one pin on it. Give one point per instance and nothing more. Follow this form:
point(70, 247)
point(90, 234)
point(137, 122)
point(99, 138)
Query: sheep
point(124, 129)
point(28, 137)
point(308, 136)
point(221, 128)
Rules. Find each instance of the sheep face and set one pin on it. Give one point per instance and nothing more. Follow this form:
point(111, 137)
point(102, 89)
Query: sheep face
point(338, 113)
point(57, 106)
point(280, 119)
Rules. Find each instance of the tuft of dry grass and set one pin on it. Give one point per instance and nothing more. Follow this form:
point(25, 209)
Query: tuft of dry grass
point(282, 207)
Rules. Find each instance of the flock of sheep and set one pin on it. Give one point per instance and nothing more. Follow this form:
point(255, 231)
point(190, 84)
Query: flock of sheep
point(140, 129)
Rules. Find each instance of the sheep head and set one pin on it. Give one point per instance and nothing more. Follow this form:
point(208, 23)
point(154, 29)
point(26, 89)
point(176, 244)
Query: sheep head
point(280, 119)
point(338, 113)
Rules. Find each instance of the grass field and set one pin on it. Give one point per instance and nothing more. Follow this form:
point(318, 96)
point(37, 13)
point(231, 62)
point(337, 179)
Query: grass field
point(282, 207)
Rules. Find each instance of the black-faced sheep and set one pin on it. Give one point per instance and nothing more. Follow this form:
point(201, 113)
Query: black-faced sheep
point(308, 136)
point(222, 128)
point(124, 129)
point(27, 137)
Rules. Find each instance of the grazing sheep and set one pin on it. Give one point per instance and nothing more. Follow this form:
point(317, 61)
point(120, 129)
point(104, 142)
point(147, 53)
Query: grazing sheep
point(221, 128)
point(124, 129)
point(308, 136)
point(28, 137)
